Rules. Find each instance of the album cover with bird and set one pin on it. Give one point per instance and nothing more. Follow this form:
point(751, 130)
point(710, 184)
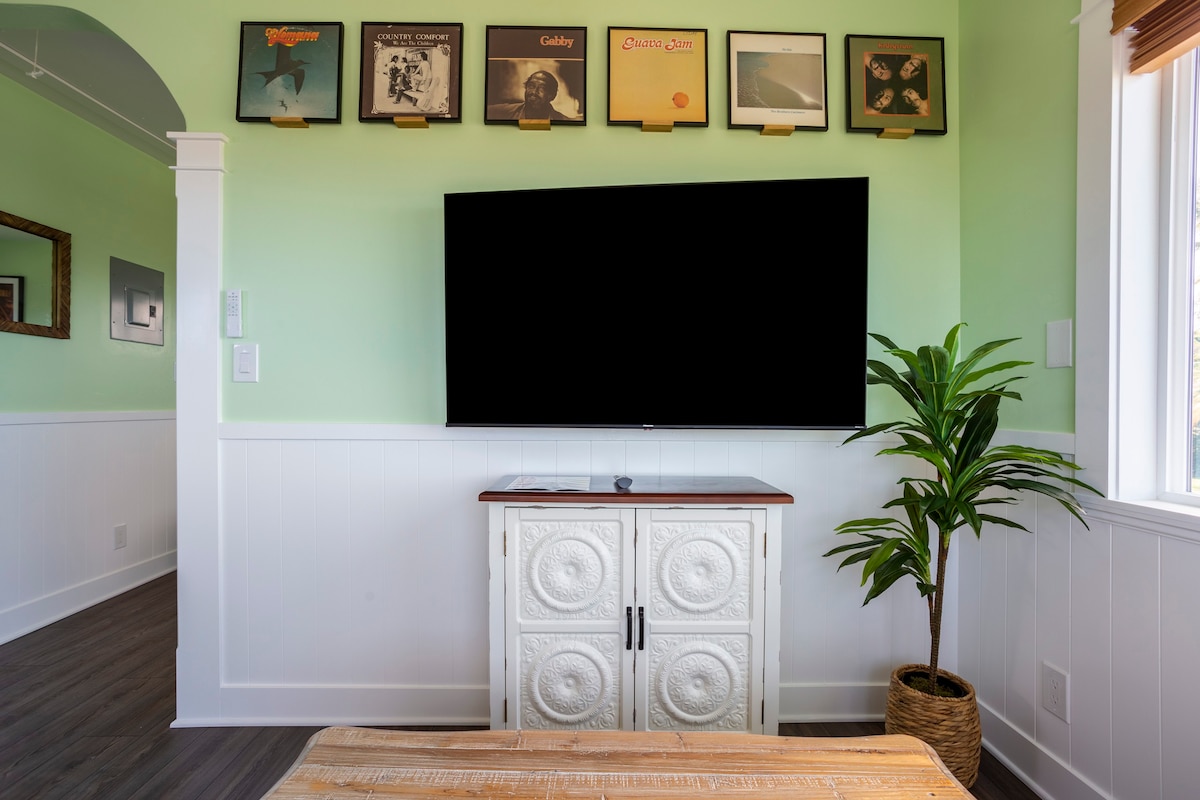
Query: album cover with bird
point(290, 69)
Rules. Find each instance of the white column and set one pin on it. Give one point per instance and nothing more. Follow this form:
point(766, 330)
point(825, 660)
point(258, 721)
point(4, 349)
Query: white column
point(199, 182)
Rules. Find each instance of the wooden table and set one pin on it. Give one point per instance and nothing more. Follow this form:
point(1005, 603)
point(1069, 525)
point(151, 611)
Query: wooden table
point(341, 763)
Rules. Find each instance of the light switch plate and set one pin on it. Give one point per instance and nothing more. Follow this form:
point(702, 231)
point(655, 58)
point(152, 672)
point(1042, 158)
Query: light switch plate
point(1058, 344)
point(245, 363)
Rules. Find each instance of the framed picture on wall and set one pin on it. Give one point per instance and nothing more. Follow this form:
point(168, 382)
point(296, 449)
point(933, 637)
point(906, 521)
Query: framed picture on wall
point(657, 75)
point(777, 79)
point(895, 82)
point(536, 74)
point(290, 69)
point(411, 70)
point(12, 298)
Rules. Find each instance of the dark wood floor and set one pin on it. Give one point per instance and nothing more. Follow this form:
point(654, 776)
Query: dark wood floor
point(86, 706)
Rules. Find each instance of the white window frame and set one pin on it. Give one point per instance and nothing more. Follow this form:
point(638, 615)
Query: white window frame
point(1124, 307)
point(1178, 225)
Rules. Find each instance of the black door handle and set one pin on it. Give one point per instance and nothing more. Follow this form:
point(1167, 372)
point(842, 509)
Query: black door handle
point(641, 627)
point(628, 627)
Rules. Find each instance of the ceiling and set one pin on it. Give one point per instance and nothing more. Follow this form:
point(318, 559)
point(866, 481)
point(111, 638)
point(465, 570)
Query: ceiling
point(75, 62)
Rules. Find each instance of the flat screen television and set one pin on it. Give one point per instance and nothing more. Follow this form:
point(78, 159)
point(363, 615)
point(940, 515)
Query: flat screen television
point(737, 304)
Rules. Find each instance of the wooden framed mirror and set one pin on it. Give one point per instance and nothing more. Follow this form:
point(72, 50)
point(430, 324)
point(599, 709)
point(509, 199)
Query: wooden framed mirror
point(35, 278)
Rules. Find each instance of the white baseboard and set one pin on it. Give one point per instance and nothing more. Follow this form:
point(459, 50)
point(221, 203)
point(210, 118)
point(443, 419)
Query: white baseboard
point(1038, 769)
point(832, 702)
point(346, 705)
point(28, 617)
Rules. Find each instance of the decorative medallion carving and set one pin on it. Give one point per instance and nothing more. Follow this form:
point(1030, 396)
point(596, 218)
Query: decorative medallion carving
point(702, 570)
point(700, 684)
point(569, 682)
point(569, 569)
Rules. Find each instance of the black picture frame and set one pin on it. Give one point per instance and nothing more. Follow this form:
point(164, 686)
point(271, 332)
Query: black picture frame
point(658, 76)
point(411, 70)
point(777, 79)
point(525, 65)
point(290, 70)
point(12, 298)
point(884, 89)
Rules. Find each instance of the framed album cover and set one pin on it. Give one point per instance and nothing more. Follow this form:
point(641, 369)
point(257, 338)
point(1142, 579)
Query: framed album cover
point(777, 79)
point(290, 69)
point(657, 75)
point(895, 82)
point(536, 74)
point(411, 69)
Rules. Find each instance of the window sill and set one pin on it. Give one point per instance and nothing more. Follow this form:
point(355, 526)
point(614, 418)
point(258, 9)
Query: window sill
point(1157, 517)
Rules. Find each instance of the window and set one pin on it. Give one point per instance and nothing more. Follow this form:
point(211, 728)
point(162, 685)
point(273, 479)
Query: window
point(1136, 293)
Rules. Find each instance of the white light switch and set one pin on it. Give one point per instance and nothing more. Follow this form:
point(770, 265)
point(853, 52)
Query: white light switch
point(1058, 343)
point(245, 363)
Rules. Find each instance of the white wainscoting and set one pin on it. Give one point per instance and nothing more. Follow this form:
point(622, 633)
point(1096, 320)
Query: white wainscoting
point(66, 480)
point(1118, 608)
point(353, 564)
point(353, 589)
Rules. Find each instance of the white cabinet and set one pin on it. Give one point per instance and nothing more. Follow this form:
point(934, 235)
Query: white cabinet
point(635, 615)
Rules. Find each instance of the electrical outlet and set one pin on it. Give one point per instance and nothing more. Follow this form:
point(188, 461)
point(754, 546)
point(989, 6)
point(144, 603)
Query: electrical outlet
point(1056, 691)
point(120, 533)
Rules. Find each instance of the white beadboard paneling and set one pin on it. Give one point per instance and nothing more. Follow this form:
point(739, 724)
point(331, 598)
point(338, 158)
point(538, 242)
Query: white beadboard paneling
point(402, 518)
point(336, 658)
point(373, 552)
point(264, 562)
point(573, 458)
point(744, 458)
point(504, 458)
point(1180, 663)
point(1091, 652)
point(401, 471)
point(970, 636)
point(442, 567)
point(34, 481)
point(1052, 614)
point(468, 533)
point(539, 457)
point(235, 583)
point(299, 561)
point(993, 618)
point(65, 482)
point(677, 457)
point(608, 458)
point(1021, 673)
point(712, 458)
point(843, 614)
point(644, 457)
point(1136, 663)
point(10, 493)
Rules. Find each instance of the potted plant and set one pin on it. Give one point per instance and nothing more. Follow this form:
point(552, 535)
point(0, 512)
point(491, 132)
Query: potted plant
point(950, 431)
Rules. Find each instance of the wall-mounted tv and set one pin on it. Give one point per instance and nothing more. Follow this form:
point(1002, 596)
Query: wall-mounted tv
point(737, 304)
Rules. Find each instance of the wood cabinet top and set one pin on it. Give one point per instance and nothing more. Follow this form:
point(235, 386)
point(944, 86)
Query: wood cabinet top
point(722, 490)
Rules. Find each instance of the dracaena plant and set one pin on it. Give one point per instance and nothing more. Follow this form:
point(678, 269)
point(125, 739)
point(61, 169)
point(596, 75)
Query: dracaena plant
point(954, 416)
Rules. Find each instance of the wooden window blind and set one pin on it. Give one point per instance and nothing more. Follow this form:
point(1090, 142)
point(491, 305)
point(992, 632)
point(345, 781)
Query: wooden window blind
point(1163, 30)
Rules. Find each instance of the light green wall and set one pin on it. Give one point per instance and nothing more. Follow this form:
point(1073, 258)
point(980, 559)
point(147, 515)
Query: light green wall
point(334, 232)
point(114, 201)
point(1020, 61)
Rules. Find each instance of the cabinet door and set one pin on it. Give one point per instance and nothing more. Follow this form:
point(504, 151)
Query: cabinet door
point(700, 581)
point(568, 585)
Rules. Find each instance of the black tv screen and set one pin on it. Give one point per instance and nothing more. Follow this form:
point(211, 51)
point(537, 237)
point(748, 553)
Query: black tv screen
point(698, 305)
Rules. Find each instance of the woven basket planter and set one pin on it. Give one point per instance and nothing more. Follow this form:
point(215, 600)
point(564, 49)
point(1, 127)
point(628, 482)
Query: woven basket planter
point(950, 725)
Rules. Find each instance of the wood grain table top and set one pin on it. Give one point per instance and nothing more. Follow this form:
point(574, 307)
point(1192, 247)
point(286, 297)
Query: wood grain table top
point(340, 763)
